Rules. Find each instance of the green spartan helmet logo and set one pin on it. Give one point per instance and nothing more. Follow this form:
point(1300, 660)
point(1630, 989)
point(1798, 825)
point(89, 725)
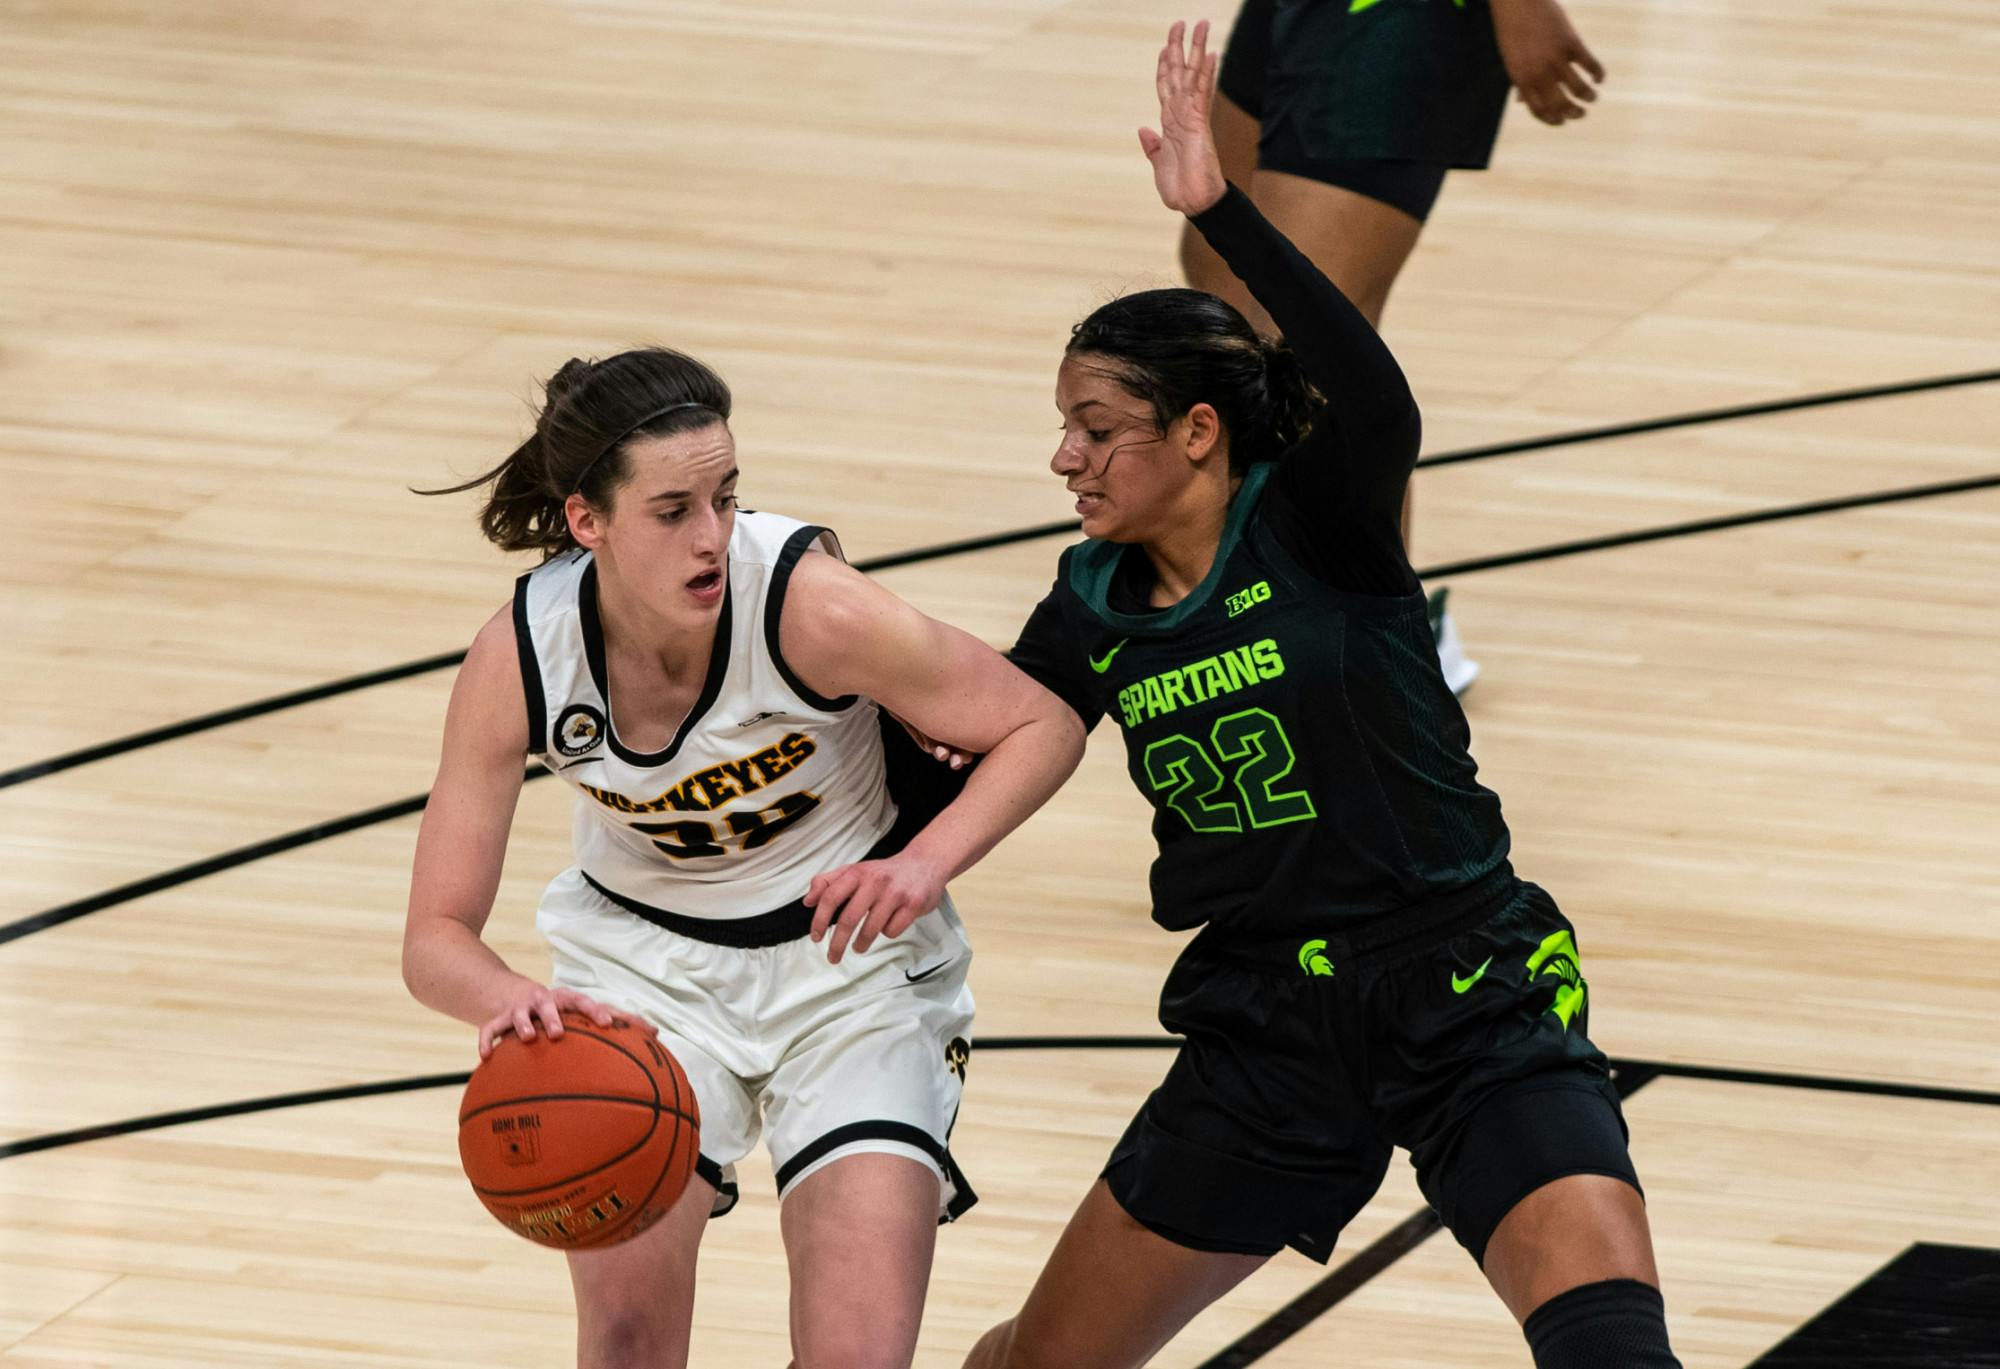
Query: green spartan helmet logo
point(1557, 956)
point(1312, 958)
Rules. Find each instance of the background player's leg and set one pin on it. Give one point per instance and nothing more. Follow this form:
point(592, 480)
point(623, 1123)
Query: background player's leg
point(635, 1301)
point(1110, 1296)
point(859, 1235)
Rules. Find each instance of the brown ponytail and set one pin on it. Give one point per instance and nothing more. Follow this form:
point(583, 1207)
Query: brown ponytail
point(589, 411)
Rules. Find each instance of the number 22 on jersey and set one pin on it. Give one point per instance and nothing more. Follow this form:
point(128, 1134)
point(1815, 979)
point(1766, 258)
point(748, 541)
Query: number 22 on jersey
point(1257, 755)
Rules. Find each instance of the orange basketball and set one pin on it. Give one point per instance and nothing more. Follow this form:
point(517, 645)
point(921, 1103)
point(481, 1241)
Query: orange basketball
point(583, 1141)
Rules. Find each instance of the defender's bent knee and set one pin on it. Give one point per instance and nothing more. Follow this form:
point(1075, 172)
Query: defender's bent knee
point(1617, 1322)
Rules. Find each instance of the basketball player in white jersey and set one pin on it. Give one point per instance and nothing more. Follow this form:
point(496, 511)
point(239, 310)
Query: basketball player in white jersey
point(708, 682)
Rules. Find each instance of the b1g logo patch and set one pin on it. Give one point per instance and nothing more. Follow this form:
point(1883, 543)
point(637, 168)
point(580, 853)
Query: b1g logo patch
point(579, 729)
point(1259, 593)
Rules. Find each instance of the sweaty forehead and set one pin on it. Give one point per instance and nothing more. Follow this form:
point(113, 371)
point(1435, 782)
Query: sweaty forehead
point(701, 454)
point(1086, 381)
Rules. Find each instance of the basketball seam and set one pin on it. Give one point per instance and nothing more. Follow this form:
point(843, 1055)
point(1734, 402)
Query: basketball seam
point(658, 1179)
point(485, 1108)
point(644, 1068)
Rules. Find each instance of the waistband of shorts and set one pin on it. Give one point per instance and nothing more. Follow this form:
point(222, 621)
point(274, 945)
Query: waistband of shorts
point(773, 928)
point(1404, 931)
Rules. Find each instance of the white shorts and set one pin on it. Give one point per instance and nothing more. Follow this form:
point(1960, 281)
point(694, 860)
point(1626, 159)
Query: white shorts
point(826, 1060)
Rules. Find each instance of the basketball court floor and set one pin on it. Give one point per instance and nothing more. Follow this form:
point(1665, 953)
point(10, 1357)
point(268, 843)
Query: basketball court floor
point(265, 267)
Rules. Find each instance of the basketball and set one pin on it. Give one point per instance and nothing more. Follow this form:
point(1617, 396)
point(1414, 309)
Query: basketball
point(582, 1141)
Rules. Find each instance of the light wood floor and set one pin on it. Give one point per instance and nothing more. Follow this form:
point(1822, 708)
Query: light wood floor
point(262, 267)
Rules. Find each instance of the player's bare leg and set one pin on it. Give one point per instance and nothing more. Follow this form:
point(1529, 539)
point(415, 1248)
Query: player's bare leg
point(635, 1301)
point(1576, 1230)
point(859, 1236)
point(1573, 1261)
point(1110, 1296)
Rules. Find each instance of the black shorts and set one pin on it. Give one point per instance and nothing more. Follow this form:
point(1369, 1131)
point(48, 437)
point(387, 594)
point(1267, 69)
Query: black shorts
point(1382, 102)
point(1458, 1032)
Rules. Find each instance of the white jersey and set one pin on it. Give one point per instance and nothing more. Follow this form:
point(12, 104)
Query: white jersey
point(764, 785)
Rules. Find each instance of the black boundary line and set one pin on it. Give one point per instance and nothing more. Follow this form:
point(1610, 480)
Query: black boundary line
point(1733, 520)
point(228, 860)
point(243, 855)
point(137, 741)
point(1629, 1076)
point(278, 702)
point(1701, 416)
point(1261, 1339)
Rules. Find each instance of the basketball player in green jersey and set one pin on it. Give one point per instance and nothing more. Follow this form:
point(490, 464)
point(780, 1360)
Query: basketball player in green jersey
point(1340, 119)
point(1369, 971)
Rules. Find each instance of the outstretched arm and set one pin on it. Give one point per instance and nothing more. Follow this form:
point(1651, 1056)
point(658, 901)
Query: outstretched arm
point(844, 634)
point(460, 849)
point(1339, 349)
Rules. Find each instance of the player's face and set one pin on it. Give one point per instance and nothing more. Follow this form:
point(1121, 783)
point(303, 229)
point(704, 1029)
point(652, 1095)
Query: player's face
point(666, 535)
point(1126, 474)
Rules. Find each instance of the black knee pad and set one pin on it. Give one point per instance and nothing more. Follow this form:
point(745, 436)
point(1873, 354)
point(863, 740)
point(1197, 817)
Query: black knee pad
point(1616, 1324)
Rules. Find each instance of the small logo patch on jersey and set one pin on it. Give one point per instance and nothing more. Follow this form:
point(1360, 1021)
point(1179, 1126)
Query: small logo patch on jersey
point(579, 729)
point(1101, 666)
point(956, 1056)
point(1459, 984)
point(1313, 959)
point(1557, 956)
point(755, 718)
point(1249, 598)
point(921, 975)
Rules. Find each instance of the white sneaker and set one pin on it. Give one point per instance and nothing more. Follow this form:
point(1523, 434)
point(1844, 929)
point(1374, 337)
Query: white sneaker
point(1460, 670)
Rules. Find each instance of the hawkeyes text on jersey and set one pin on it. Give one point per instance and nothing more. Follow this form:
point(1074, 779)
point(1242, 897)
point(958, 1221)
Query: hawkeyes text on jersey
point(764, 784)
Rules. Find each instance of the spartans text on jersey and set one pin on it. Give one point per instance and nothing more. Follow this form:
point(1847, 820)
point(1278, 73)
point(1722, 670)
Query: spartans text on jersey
point(1201, 681)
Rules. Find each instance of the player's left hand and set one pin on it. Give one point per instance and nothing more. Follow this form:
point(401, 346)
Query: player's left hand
point(1186, 170)
point(873, 898)
point(1546, 59)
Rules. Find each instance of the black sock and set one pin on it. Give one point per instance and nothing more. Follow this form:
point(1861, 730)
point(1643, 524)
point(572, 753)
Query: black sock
point(1616, 1324)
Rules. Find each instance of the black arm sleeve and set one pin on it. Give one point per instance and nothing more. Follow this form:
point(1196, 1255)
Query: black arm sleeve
point(1336, 499)
point(1050, 653)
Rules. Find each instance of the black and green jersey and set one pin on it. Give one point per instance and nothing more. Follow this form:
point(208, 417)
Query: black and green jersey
point(1287, 719)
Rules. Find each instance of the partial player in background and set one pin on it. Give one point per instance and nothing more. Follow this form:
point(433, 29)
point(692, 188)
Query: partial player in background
point(707, 682)
point(1340, 119)
point(1369, 971)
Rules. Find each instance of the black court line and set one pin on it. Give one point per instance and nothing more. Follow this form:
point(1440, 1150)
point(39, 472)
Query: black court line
point(1702, 416)
point(1629, 1076)
point(278, 702)
point(1733, 520)
point(1261, 1339)
point(215, 865)
point(69, 760)
point(229, 860)
point(1633, 1073)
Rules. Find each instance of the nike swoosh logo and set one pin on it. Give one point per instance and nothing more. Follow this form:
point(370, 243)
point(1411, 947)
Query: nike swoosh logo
point(926, 974)
point(1461, 985)
point(1101, 666)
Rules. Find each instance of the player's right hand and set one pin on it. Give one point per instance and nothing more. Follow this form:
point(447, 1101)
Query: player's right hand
point(1545, 59)
point(532, 1001)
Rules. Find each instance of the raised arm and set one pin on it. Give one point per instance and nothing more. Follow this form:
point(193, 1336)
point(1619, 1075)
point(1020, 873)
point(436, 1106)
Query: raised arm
point(844, 634)
point(1340, 351)
point(460, 849)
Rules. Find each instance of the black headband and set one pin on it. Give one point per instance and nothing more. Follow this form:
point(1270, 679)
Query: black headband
point(612, 445)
